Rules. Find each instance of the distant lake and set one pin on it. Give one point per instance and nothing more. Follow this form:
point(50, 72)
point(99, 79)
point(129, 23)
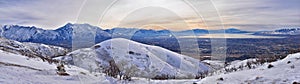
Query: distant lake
point(245, 35)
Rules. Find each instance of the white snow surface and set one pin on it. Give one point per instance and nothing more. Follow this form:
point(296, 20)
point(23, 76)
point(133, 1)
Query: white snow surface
point(35, 71)
point(150, 60)
point(31, 49)
point(291, 31)
point(281, 73)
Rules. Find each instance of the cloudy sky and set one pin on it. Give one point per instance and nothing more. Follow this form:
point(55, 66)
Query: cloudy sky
point(154, 14)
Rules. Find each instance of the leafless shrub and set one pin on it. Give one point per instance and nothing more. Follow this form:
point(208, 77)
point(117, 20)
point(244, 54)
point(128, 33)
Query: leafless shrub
point(163, 77)
point(270, 66)
point(288, 62)
point(112, 70)
point(296, 82)
point(293, 66)
point(220, 79)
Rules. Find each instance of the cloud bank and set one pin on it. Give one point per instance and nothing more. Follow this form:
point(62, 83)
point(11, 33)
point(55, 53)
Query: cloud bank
point(172, 14)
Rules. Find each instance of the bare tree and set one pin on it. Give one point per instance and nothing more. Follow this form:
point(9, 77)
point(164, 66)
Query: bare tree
point(126, 70)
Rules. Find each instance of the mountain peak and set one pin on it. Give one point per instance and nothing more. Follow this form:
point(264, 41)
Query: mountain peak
point(232, 29)
point(71, 26)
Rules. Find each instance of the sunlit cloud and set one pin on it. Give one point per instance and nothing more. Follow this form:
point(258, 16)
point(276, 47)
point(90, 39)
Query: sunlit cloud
point(160, 14)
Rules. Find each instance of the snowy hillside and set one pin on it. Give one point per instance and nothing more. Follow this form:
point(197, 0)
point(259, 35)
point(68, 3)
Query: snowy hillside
point(285, 71)
point(148, 61)
point(18, 69)
point(31, 49)
point(280, 32)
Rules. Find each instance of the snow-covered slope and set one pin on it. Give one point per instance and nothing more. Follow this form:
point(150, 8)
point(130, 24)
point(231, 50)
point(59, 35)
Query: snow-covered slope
point(285, 71)
point(18, 69)
point(31, 49)
point(280, 32)
point(59, 37)
point(149, 61)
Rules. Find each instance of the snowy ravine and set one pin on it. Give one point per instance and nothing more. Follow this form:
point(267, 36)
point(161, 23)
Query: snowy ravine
point(147, 61)
point(285, 71)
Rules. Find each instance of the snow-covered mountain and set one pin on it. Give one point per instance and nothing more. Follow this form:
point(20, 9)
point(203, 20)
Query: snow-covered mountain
point(64, 35)
point(280, 32)
point(204, 31)
point(148, 61)
point(59, 37)
point(135, 33)
point(31, 49)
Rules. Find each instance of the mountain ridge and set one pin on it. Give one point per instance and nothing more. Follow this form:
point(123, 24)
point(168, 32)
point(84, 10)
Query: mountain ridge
point(63, 36)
